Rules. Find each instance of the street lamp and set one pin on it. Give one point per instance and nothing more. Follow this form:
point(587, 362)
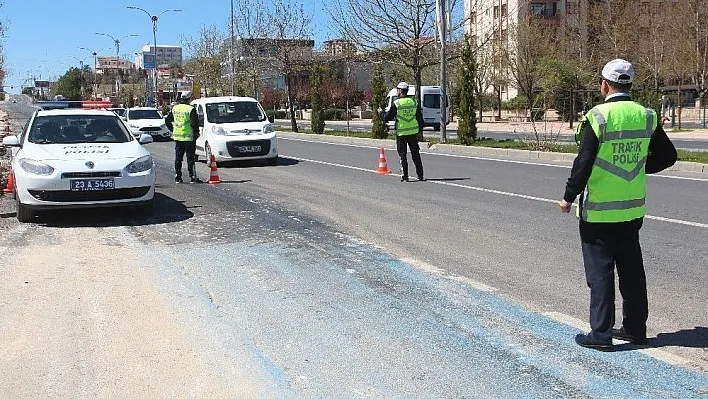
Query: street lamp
point(154, 19)
point(117, 43)
point(95, 85)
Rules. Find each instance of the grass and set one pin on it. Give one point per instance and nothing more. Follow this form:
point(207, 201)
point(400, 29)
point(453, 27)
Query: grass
point(683, 155)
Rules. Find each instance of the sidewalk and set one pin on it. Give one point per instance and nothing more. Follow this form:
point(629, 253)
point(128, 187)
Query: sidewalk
point(691, 129)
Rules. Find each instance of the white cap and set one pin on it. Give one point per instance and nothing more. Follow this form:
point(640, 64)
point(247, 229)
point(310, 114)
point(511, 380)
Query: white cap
point(618, 71)
point(402, 86)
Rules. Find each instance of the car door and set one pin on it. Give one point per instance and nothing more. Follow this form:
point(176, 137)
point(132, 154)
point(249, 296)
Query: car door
point(202, 132)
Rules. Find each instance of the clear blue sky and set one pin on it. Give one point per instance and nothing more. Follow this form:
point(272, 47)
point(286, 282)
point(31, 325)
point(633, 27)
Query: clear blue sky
point(44, 36)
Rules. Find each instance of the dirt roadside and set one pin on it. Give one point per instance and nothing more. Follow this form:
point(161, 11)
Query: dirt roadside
point(80, 317)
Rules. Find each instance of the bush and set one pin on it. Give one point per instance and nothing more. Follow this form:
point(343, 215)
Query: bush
point(333, 114)
point(277, 114)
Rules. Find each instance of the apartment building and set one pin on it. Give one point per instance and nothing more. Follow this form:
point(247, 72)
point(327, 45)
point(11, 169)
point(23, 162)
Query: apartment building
point(166, 55)
point(490, 24)
point(105, 64)
point(338, 47)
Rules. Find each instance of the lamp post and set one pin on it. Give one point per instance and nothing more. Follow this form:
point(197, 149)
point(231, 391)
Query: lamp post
point(95, 85)
point(117, 43)
point(231, 52)
point(154, 19)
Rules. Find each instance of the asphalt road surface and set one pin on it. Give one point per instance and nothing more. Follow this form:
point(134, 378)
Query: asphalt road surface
point(362, 126)
point(320, 278)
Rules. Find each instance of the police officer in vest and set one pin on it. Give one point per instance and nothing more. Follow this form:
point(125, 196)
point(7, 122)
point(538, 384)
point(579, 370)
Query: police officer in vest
point(409, 123)
point(620, 143)
point(183, 122)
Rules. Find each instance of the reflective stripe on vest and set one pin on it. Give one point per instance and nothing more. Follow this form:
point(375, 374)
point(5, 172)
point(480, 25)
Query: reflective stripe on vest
point(406, 122)
point(616, 189)
point(181, 126)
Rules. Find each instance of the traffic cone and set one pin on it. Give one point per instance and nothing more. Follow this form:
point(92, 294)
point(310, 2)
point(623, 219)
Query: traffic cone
point(383, 167)
point(10, 187)
point(213, 173)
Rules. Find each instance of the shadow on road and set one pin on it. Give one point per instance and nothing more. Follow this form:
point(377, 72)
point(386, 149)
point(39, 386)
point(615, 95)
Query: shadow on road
point(257, 163)
point(450, 179)
point(167, 210)
point(695, 338)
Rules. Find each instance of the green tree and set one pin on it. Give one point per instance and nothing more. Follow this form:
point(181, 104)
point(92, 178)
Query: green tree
point(467, 129)
point(69, 85)
point(378, 102)
point(317, 117)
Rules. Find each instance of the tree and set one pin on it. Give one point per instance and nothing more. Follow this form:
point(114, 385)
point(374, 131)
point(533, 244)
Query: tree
point(250, 24)
point(205, 58)
point(291, 36)
point(400, 32)
point(317, 116)
point(467, 130)
point(378, 103)
point(69, 85)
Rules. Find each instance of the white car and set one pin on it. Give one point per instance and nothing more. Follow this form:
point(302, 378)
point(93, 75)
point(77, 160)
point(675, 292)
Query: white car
point(148, 120)
point(233, 129)
point(77, 158)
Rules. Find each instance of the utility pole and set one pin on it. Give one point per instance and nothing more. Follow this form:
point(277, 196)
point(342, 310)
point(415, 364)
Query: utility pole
point(442, 34)
point(231, 53)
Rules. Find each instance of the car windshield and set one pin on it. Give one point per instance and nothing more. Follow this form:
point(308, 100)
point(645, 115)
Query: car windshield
point(431, 100)
point(74, 129)
point(232, 112)
point(144, 114)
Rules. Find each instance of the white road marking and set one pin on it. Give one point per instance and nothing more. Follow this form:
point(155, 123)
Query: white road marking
point(498, 192)
point(511, 161)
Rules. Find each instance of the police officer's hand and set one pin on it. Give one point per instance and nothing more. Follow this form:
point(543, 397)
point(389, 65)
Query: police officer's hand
point(565, 206)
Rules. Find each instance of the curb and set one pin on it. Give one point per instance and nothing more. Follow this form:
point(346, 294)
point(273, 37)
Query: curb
point(680, 166)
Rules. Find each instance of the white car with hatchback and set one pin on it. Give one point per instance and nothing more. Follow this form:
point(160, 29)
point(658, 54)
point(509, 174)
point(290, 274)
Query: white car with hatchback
point(235, 129)
point(148, 120)
point(77, 158)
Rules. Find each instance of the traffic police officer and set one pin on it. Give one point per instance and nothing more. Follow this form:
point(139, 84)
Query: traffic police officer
point(409, 122)
point(183, 122)
point(620, 143)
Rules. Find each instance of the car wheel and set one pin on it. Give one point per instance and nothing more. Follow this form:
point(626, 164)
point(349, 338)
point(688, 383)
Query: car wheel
point(436, 128)
point(272, 161)
point(25, 214)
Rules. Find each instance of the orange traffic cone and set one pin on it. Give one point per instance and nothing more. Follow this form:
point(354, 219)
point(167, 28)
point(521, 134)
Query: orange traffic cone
point(213, 174)
point(10, 184)
point(383, 167)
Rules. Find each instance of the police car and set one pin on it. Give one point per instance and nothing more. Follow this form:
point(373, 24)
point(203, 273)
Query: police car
point(77, 158)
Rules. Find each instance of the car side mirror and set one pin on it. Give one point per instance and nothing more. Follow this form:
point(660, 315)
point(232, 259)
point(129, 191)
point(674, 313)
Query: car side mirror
point(11, 141)
point(145, 139)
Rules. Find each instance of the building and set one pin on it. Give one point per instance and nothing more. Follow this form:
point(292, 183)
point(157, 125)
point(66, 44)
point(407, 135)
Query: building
point(166, 55)
point(338, 47)
point(489, 23)
point(104, 64)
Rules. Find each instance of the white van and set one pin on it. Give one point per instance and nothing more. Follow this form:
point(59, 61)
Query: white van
point(430, 96)
point(234, 129)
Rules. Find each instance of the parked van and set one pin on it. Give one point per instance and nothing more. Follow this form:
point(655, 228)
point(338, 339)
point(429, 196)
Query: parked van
point(233, 129)
point(430, 107)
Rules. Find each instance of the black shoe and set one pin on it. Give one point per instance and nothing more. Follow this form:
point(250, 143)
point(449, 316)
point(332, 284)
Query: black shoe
point(421, 178)
point(404, 178)
point(587, 342)
point(178, 180)
point(195, 180)
point(623, 335)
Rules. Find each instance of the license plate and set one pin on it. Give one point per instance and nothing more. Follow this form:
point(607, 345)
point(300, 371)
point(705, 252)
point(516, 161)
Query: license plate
point(249, 148)
point(92, 184)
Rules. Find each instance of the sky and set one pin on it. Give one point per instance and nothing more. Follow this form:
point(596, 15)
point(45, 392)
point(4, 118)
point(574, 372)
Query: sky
point(44, 37)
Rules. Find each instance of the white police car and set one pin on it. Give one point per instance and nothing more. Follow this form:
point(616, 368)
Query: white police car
point(76, 158)
point(233, 129)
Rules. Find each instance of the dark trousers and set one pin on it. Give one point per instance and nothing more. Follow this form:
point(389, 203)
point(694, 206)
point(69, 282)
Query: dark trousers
point(182, 148)
point(606, 246)
point(402, 144)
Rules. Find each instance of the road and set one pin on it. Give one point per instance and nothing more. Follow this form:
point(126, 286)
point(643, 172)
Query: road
point(320, 278)
point(695, 143)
